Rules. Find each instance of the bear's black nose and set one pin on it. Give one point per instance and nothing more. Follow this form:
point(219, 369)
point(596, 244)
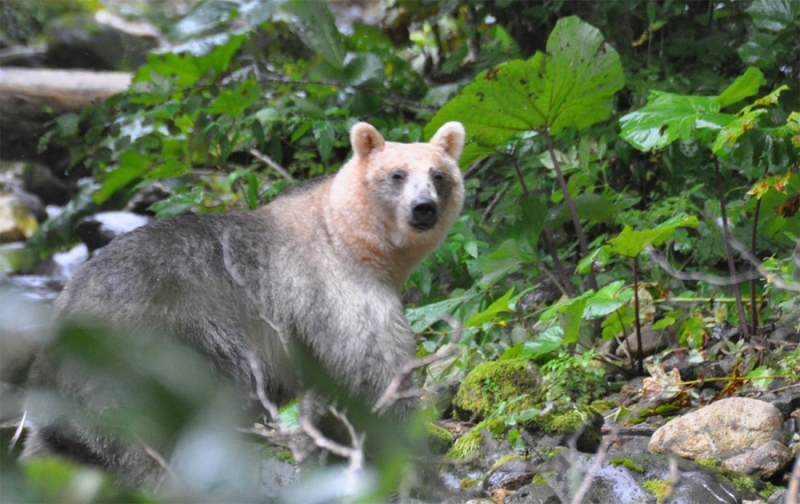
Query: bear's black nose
point(424, 213)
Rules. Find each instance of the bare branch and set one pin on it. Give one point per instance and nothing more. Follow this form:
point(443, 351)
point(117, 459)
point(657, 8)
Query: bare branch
point(760, 272)
point(392, 393)
point(355, 453)
point(272, 164)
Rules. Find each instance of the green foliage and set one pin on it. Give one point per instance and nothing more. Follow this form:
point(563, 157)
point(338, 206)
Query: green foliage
point(571, 85)
point(618, 109)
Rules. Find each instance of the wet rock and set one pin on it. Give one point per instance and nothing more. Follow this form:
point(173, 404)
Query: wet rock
point(62, 265)
point(642, 478)
point(39, 180)
point(719, 429)
point(98, 230)
point(763, 462)
point(100, 41)
point(510, 475)
point(567, 425)
point(533, 493)
point(653, 340)
point(17, 219)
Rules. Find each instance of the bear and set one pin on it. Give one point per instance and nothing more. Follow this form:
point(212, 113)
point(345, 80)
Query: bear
point(319, 268)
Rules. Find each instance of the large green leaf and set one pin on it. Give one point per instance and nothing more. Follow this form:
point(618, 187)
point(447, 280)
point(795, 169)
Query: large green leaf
point(744, 86)
point(631, 243)
point(315, 25)
point(668, 117)
point(572, 86)
point(774, 15)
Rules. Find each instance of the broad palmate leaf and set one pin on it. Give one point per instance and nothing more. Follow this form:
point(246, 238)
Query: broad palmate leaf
point(571, 86)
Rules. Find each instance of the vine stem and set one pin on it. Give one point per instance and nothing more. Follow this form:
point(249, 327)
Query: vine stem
point(573, 212)
point(726, 232)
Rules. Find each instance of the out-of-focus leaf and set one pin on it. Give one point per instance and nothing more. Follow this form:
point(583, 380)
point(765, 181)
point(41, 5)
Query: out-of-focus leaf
point(631, 243)
point(505, 259)
point(425, 316)
point(774, 15)
point(233, 102)
point(316, 27)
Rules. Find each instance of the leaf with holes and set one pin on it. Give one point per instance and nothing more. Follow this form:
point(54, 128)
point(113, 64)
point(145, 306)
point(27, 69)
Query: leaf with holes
point(570, 86)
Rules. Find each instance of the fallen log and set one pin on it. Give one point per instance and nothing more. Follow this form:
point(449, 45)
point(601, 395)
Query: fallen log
point(29, 98)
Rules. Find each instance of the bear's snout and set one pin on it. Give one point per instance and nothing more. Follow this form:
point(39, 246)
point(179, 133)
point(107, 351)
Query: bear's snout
point(424, 213)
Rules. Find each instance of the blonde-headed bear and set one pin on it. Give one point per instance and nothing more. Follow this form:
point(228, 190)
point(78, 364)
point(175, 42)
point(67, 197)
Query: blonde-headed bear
point(319, 268)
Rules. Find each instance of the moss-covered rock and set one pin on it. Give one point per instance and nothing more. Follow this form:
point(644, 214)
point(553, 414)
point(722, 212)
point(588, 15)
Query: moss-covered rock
point(491, 383)
point(439, 439)
point(469, 443)
point(566, 420)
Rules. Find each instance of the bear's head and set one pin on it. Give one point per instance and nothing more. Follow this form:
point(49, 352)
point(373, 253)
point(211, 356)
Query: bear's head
point(397, 201)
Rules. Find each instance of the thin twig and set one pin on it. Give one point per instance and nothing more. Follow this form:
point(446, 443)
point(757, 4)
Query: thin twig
point(726, 232)
point(494, 202)
point(760, 272)
point(272, 164)
point(598, 462)
point(152, 453)
point(392, 393)
point(794, 483)
point(354, 454)
point(18, 431)
point(573, 212)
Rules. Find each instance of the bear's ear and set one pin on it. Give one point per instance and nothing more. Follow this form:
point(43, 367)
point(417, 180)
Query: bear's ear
point(364, 138)
point(450, 138)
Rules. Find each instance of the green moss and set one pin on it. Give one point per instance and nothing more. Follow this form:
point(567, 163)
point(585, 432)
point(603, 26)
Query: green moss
point(505, 458)
point(492, 383)
point(603, 405)
point(439, 439)
point(707, 462)
point(467, 483)
point(659, 488)
point(538, 480)
point(626, 462)
point(280, 454)
point(471, 441)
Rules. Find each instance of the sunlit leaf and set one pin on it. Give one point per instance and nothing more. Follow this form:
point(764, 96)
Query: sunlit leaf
point(744, 86)
point(569, 86)
point(668, 117)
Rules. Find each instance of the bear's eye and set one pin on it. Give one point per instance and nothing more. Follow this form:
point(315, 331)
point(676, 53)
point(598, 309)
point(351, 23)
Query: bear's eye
point(438, 176)
point(398, 175)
